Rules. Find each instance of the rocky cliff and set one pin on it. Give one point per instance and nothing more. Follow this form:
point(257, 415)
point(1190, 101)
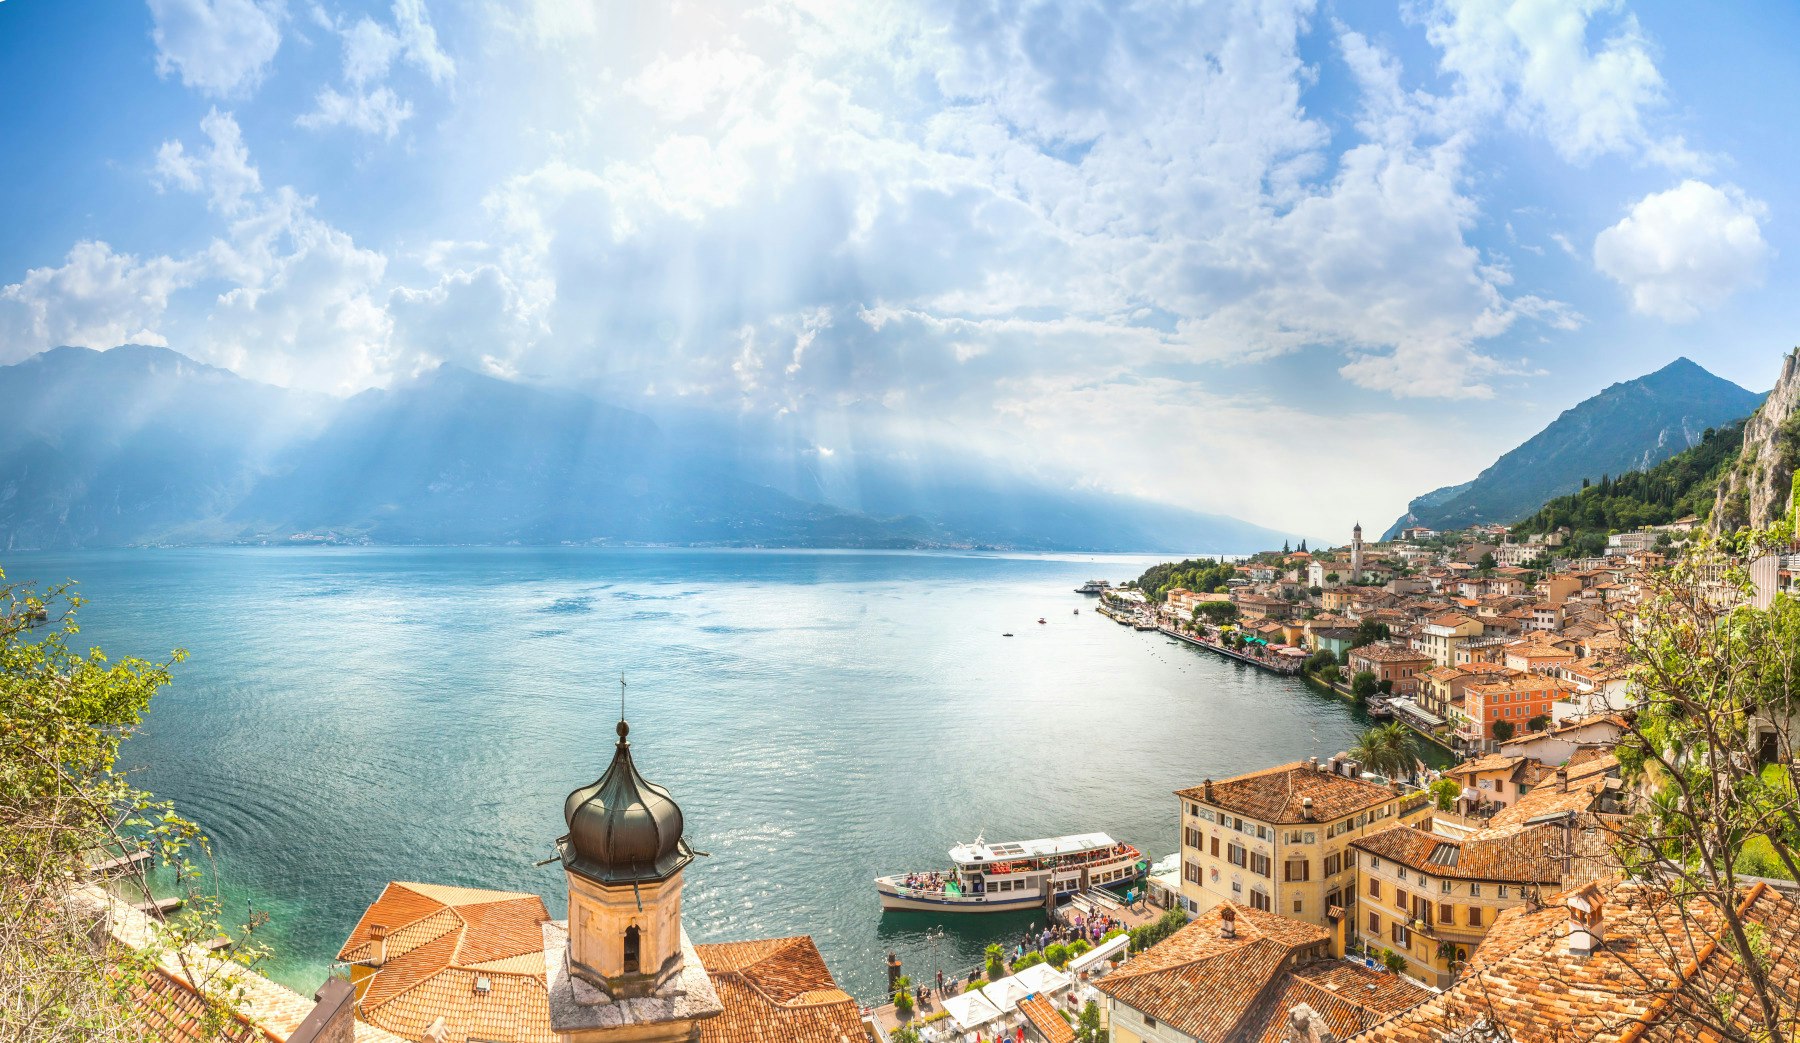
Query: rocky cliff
point(1760, 487)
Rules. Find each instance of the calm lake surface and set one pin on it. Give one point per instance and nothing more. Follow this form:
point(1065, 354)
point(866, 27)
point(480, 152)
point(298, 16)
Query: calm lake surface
point(354, 716)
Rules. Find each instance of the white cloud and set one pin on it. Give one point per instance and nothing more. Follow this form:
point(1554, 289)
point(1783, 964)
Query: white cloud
point(1686, 250)
point(377, 112)
point(1531, 61)
point(367, 103)
point(223, 170)
point(96, 299)
point(217, 47)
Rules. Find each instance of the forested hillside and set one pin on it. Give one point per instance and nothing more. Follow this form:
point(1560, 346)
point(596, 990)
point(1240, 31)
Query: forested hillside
point(1202, 575)
point(1679, 486)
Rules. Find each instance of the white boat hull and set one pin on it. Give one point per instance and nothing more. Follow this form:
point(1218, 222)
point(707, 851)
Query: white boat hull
point(904, 898)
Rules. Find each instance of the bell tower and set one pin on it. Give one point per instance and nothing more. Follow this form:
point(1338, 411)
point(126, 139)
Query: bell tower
point(1356, 553)
point(629, 971)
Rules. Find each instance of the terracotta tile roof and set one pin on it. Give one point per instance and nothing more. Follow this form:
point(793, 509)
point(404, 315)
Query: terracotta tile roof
point(1533, 855)
point(1046, 1020)
point(1485, 763)
point(171, 1011)
point(1660, 975)
point(777, 991)
point(1349, 997)
point(1225, 990)
point(439, 942)
point(1277, 795)
point(1389, 653)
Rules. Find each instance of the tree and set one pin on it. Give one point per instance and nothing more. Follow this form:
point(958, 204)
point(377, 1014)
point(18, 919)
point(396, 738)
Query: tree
point(63, 717)
point(1445, 793)
point(1387, 749)
point(1087, 1026)
point(1503, 730)
point(1369, 631)
point(996, 961)
point(1538, 723)
point(903, 998)
point(1363, 685)
point(1487, 563)
point(1330, 674)
point(1215, 612)
point(1386, 685)
point(1392, 960)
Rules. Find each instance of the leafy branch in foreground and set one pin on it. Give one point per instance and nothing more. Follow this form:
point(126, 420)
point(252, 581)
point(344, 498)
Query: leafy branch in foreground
point(65, 808)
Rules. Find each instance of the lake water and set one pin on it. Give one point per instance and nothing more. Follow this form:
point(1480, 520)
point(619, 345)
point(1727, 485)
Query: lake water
point(354, 716)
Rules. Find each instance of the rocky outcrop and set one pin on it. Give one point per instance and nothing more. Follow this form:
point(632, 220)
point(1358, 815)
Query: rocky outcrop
point(1759, 489)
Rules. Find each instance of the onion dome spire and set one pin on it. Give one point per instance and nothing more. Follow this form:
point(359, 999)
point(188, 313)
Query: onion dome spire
point(623, 829)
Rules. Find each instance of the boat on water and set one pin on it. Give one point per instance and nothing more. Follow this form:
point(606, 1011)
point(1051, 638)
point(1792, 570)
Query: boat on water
point(1041, 619)
point(1379, 709)
point(1094, 587)
point(1007, 877)
point(1007, 634)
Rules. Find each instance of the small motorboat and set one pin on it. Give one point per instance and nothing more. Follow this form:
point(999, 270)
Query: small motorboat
point(1078, 612)
point(1041, 619)
point(1007, 634)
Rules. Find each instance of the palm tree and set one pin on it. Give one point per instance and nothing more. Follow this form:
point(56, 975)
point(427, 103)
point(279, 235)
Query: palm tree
point(1387, 749)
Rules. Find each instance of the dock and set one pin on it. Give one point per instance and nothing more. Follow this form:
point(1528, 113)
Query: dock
point(122, 864)
point(159, 907)
point(1274, 668)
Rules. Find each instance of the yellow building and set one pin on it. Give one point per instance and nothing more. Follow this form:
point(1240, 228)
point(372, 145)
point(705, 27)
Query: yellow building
point(1278, 839)
point(1432, 898)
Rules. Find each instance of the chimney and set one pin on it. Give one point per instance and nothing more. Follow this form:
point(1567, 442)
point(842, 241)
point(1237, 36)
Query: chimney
point(1227, 922)
point(1587, 921)
point(482, 985)
point(1306, 808)
point(1306, 1026)
point(1314, 762)
point(1206, 788)
point(378, 939)
point(1562, 780)
point(333, 1017)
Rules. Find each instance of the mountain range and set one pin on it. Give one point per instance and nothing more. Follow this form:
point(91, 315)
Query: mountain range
point(143, 445)
point(1629, 426)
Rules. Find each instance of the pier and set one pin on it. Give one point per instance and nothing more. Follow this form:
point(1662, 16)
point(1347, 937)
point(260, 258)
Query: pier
point(122, 864)
point(1275, 668)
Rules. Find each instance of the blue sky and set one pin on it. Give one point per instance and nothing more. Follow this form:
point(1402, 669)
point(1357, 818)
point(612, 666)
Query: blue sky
point(1290, 261)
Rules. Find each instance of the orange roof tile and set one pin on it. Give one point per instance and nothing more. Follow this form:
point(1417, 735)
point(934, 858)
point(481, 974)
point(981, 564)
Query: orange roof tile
point(1046, 1020)
point(1278, 795)
point(777, 991)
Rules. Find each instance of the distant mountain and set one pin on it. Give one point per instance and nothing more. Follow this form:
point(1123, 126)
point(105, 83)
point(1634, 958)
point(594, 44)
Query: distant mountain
point(1629, 426)
point(1758, 490)
point(142, 445)
point(1685, 484)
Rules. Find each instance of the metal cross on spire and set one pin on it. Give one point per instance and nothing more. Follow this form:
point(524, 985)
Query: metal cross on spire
point(621, 695)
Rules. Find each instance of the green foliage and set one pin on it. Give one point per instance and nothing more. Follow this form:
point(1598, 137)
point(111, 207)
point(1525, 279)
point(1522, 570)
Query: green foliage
point(1444, 793)
point(1758, 858)
point(1030, 959)
point(905, 1034)
point(1202, 575)
point(1320, 660)
point(1387, 749)
point(1538, 723)
point(1392, 960)
point(1079, 946)
point(63, 717)
point(1149, 934)
point(1368, 632)
point(1330, 674)
point(903, 997)
point(1503, 730)
point(1087, 1026)
point(1684, 484)
point(996, 961)
point(1215, 611)
point(1056, 954)
point(1363, 685)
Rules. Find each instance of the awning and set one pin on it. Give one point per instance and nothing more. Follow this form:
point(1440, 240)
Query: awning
point(1105, 950)
point(971, 1009)
point(1416, 712)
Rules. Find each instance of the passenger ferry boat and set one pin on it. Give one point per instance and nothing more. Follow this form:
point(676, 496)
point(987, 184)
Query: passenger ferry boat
point(1094, 587)
point(998, 878)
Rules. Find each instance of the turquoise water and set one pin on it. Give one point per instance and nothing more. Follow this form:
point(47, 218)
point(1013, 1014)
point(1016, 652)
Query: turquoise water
point(354, 716)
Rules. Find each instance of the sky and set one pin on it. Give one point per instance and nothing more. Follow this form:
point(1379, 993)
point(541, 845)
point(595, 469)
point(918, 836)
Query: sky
point(1286, 260)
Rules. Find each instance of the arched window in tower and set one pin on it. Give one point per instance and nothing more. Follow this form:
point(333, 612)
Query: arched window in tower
point(631, 950)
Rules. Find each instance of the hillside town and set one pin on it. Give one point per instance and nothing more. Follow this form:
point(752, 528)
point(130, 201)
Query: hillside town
point(1359, 897)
